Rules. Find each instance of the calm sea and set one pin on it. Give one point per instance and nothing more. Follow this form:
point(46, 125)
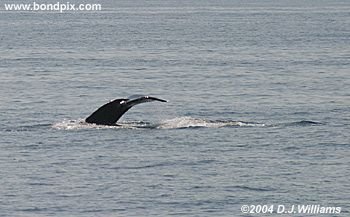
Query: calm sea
point(258, 111)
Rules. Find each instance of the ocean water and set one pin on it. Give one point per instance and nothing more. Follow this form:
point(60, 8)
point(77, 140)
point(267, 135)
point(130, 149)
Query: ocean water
point(258, 111)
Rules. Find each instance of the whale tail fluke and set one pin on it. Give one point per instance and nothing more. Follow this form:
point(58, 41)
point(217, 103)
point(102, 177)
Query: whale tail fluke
point(111, 112)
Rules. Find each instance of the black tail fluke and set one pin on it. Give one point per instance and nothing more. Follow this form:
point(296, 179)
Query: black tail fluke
point(111, 112)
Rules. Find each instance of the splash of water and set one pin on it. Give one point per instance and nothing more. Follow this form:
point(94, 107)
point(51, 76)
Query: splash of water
point(190, 122)
point(174, 123)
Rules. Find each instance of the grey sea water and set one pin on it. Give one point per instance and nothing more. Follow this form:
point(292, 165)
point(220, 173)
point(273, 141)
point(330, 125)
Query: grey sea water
point(258, 111)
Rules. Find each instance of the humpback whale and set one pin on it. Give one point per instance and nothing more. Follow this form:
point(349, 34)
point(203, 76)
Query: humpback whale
point(110, 113)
